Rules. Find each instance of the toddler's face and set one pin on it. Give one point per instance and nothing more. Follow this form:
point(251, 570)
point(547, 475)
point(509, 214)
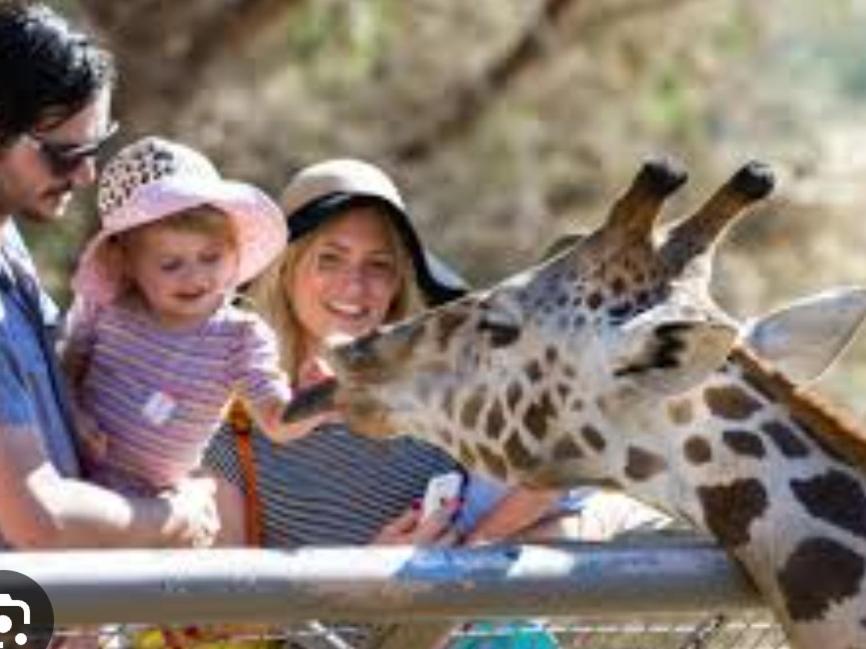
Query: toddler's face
point(183, 275)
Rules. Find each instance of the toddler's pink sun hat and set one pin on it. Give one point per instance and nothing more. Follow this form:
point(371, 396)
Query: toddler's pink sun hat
point(154, 178)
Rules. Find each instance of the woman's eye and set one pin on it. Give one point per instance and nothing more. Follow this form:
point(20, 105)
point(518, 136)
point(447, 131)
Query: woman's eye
point(170, 265)
point(382, 267)
point(328, 260)
point(211, 258)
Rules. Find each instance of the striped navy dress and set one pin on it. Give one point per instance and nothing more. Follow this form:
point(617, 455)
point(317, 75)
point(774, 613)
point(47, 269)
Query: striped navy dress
point(332, 487)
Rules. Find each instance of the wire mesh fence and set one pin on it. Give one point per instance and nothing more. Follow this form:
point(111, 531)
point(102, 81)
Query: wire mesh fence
point(709, 631)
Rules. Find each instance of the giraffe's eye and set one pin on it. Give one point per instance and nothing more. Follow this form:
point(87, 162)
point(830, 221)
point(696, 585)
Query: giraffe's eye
point(502, 330)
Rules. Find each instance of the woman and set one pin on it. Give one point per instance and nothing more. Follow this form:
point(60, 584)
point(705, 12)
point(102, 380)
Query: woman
point(354, 261)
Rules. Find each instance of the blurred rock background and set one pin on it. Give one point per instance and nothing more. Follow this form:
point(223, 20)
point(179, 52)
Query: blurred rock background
point(509, 122)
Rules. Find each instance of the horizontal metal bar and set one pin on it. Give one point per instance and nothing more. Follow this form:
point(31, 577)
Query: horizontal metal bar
point(376, 583)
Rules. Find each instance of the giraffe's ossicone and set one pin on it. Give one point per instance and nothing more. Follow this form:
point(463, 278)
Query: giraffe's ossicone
point(609, 363)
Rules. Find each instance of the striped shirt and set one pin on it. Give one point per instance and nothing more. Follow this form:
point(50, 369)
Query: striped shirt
point(158, 395)
point(332, 487)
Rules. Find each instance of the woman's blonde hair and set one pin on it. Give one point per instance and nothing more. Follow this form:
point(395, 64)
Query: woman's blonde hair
point(268, 293)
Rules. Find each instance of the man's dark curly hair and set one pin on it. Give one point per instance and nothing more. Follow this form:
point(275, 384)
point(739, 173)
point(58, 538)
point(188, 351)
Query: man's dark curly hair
point(47, 68)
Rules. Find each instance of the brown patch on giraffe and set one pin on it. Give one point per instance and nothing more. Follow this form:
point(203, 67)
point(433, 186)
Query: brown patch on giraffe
point(495, 464)
point(729, 510)
point(834, 497)
point(473, 406)
point(551, 355)
point(533, 371)
point(466, 456)
point(594, 300)
point(563, 391)
point(617, 285)
point(818, 573)
point(837, 432)
point(594, 438)
point(513, 395)
point(566, 449)
point(681, 411)
point(448, 322)
point(537, 416)
point(744, 442)
point(697, 450)
point(730, 402)
point(517, 454)
point(785, 439)
point(569, 371)
point(642, 464)
point(495, 421)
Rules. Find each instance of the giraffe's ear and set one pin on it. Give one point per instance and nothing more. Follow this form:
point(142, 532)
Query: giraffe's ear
point(804, 338)
point(668, 349)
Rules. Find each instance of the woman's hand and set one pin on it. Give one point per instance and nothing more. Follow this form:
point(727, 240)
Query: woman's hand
point(409, 529)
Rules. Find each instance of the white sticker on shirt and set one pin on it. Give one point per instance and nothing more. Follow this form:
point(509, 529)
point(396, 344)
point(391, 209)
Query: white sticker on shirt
point(159, 408)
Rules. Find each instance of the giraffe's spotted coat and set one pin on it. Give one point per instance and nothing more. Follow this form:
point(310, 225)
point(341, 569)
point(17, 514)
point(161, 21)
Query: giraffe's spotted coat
point(494, 462)
point(465, 455)
point(681, 412)
point(819, 573)
point(697, 450)
point(472, 407)
point(495, 421)
point(731, 402)
point(513, 395)
point(642, 464)
point(730, 509)
point(533, 371)
point(593, 437)
point(834, 497)
point(517, 454)
point(566, 449)
point(744, 443)
point(785, 439)
point(538, 416)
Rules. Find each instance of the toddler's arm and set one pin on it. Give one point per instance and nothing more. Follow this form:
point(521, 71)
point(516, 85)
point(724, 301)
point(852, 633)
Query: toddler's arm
point(264, 386)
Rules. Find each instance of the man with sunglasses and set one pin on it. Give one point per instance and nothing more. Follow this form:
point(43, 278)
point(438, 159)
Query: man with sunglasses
point(55, 91)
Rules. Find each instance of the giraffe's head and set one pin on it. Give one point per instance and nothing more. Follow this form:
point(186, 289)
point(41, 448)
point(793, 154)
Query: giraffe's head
point(519, 379)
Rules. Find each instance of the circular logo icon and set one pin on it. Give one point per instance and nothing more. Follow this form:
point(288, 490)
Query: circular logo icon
point(26, 614)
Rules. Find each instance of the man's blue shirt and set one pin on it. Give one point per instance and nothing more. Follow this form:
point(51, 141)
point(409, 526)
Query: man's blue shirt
point(32, 390)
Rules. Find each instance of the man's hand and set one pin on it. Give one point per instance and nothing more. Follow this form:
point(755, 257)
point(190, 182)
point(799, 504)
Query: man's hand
point(194, 521)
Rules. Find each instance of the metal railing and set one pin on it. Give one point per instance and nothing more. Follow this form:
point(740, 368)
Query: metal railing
point(678, 592)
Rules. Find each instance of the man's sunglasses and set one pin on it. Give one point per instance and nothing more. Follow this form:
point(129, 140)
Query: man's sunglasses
point(65, 159)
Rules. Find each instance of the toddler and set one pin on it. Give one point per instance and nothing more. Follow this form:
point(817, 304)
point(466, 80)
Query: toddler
point(153, 348)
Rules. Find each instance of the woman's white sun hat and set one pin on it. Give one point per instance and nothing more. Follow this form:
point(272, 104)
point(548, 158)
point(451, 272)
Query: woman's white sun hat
point(154, 178)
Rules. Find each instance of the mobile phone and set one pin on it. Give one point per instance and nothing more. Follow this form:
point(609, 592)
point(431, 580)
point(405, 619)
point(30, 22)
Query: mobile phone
point(441, 489)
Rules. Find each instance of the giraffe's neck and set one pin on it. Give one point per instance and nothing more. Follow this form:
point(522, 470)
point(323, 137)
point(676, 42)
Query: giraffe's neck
point(778, 480)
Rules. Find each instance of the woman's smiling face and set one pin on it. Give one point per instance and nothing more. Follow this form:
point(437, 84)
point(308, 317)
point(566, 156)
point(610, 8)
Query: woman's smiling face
point(347, 278)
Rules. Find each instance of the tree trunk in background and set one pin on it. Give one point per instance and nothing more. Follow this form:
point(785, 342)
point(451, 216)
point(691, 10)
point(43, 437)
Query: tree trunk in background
point(164, 48)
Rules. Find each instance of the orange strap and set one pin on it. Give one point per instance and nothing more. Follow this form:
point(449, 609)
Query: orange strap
point(241, 423)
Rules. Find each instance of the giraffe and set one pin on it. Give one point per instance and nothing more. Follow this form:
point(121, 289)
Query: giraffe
point(610, 364)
